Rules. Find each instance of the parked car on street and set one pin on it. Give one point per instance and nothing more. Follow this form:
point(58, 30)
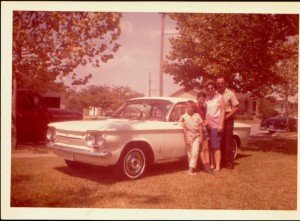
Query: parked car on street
point(143, 131)
point(33, 116)
point(279, 124)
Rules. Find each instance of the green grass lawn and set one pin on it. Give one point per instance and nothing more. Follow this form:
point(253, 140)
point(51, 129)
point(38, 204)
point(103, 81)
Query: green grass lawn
point(265, 178)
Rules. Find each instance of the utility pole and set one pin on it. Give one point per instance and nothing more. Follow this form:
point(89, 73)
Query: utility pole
point(149, 84)
point(161, 54)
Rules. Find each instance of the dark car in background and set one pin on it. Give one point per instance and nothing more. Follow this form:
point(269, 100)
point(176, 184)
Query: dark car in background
point(33, 116)
point(279, 124)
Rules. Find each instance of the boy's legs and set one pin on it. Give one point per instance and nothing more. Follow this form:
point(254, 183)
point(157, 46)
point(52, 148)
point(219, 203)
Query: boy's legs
point(194, 154)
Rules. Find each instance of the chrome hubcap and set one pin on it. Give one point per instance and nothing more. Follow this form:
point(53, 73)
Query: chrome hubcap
point(134, 163)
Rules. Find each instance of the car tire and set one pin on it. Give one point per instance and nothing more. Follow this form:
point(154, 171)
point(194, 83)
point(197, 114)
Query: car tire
point(235, 148)
point(132, 164)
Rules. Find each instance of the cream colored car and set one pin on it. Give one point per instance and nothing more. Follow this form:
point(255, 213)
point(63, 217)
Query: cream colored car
point(141, 132)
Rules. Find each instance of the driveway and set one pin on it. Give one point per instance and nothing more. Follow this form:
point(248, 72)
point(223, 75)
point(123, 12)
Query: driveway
point(32, 154)
point(256, 131)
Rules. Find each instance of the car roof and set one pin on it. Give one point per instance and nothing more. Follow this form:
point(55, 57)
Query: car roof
point(171, 99)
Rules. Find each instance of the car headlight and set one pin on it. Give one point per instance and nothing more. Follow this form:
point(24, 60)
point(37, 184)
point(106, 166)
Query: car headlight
point(95, 140)
point(90, 139)
point(101, 140)
point(51, 134)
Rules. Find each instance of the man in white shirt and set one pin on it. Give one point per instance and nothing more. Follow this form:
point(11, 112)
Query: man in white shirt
point(231, 107)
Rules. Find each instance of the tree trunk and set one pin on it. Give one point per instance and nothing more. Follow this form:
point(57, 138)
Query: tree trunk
point(13, 111)
point(287, 112)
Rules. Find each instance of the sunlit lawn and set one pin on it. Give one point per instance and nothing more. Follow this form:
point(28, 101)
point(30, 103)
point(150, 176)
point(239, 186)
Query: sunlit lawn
point(265, 178)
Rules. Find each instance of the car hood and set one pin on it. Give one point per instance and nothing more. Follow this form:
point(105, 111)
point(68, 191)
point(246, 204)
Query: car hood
point(113, 125)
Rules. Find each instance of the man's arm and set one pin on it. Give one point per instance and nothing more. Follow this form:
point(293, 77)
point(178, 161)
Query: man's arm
point(232, 113)
point(222, 107)
point(235, 106)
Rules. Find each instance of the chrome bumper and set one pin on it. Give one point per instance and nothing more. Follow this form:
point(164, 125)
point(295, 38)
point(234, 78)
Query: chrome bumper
point(92, 153)
point(101, 158)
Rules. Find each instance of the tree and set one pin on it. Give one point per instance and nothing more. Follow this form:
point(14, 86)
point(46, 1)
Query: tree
point(102, 96)
point(266, 108)
point(122, 93)
point(73, 103)
point(48, 46)
point(72, 100)
point(288, 70)
point(244, 48)
point(96, 97)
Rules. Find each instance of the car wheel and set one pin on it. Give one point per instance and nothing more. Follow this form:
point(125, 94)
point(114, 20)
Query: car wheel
point(131, 164)
point(235, 148)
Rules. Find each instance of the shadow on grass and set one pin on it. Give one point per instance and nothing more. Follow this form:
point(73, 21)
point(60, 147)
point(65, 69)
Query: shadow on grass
point(240, 156)
point(281, 145)
point(105, 175)
point(167, 168)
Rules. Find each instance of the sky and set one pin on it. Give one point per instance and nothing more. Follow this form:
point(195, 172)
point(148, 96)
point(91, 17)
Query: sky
point(138, 58)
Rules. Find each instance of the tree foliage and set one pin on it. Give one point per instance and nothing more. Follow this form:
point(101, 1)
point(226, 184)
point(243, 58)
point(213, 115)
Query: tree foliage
point(266, 108)
point(100, 96)
point(244, 48)
point(50, 45)
point(73, 103)
point(96, 96)
point(121, 94)
point(288, 69)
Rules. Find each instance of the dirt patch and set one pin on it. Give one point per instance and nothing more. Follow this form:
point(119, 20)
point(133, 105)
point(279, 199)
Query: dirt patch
point(31, 148)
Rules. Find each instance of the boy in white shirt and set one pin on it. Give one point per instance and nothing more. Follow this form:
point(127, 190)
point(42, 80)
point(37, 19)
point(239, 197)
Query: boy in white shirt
point(192, 129)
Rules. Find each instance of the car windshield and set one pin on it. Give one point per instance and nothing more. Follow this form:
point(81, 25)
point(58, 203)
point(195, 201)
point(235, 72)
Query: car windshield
point(144, 109)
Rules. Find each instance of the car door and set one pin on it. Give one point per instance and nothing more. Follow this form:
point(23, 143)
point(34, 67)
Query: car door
point(174, 138)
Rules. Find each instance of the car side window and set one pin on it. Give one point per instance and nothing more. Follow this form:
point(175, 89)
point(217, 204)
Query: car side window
point(157, 113)
point(29, 102)
point(177, 112)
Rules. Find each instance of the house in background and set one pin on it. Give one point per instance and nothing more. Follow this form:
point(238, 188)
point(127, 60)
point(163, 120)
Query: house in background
point(94, 111)
point(192, 94)
point(248, 104)
point(54, 99)
point(280, 105)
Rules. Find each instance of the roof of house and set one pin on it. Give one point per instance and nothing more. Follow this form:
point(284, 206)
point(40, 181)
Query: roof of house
point(186, 94)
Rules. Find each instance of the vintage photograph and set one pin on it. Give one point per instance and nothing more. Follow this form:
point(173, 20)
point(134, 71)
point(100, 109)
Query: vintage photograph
point(149, 110)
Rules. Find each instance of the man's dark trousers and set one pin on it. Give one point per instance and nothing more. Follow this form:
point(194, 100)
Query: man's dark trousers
point(227, 144)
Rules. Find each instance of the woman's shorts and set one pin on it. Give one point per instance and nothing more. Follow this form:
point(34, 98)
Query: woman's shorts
point(215, 138)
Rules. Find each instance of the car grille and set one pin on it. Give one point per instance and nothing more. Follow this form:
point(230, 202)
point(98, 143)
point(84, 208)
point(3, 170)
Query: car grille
point(70, 138)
